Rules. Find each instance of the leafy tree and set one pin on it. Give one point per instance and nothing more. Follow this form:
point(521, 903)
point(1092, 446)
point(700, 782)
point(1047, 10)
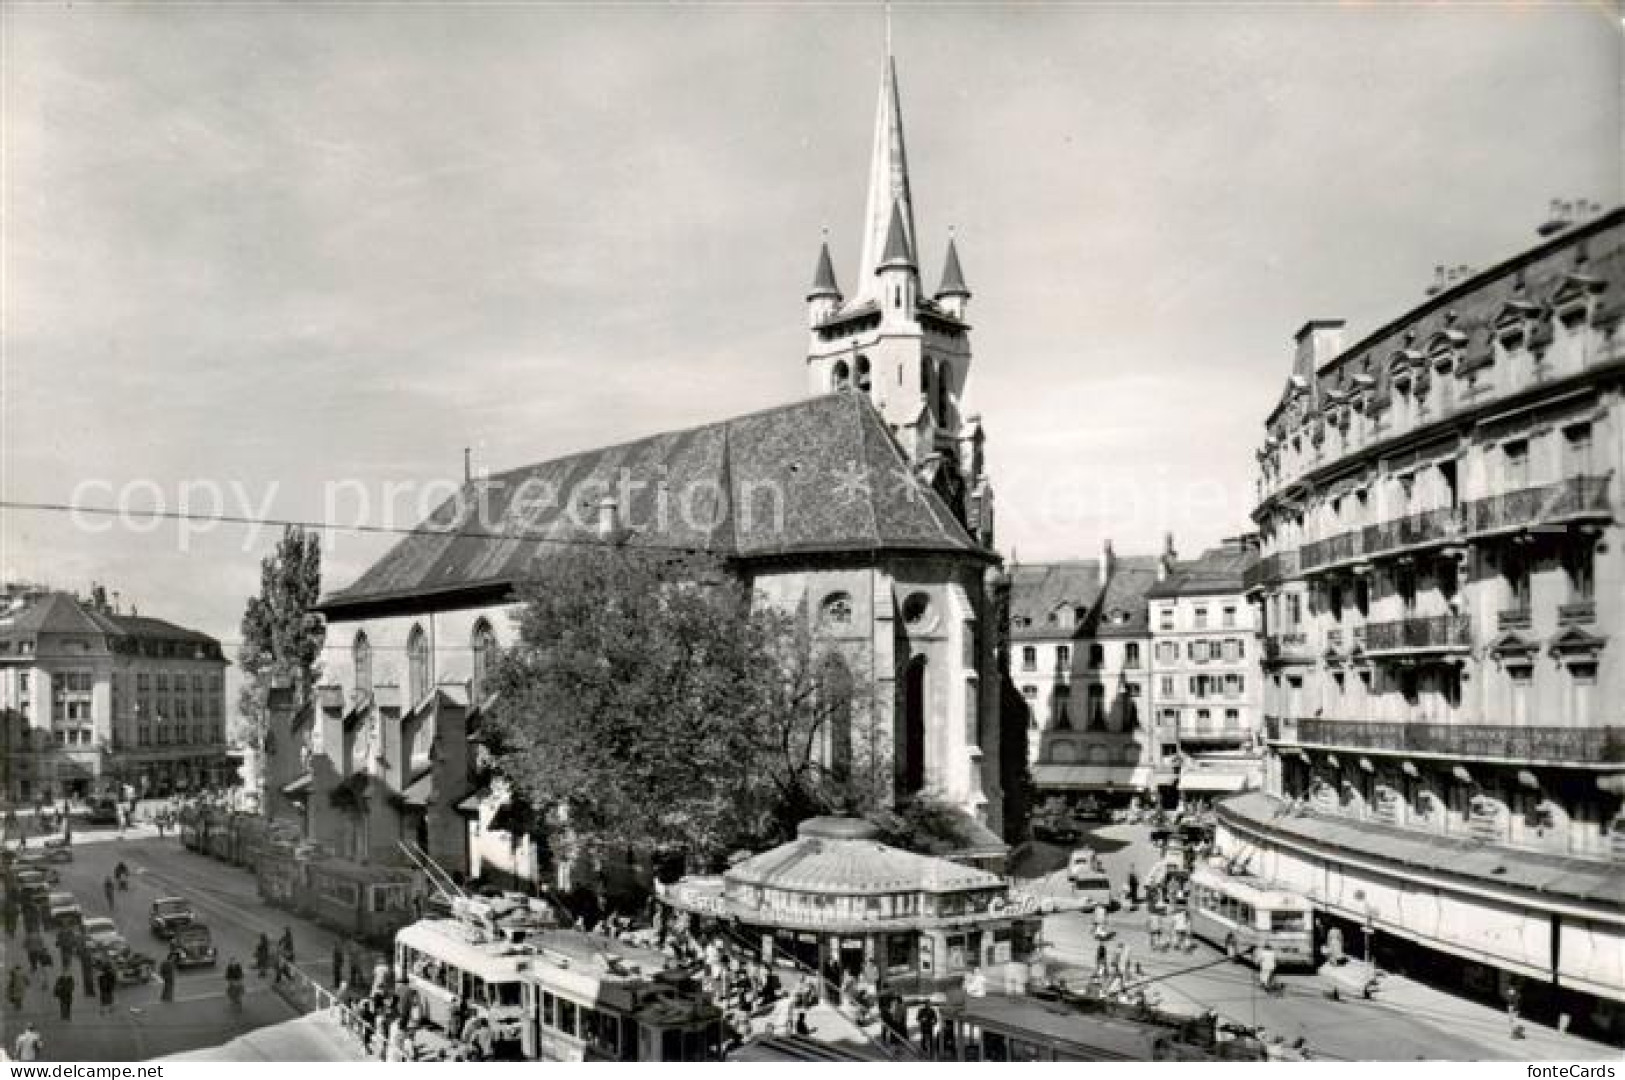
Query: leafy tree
point(658, 708)
point(280, 633)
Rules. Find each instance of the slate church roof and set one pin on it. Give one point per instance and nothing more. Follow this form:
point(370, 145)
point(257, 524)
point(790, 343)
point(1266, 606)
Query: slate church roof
point(822, 475)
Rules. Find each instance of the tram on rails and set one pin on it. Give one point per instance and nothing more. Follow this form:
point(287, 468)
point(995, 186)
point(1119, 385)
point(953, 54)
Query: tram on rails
point(551, 994)
point(1029, 1029)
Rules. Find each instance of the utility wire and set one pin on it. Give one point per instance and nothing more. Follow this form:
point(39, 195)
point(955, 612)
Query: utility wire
point(618, 541)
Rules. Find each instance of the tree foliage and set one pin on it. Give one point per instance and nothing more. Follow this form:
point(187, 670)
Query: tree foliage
point(661, 709)
point(280, 632)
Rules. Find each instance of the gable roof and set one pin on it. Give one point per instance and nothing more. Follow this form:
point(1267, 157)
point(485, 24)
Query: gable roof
point(1037, 589)
point(1214, 572)
point(64, 613)
point(820, 475)
point(1132, 578)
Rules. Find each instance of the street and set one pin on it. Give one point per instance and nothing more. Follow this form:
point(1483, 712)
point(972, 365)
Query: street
point(142, 1027)
point(1404, 1023)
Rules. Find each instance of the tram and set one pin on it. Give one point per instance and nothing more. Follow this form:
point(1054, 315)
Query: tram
point(1028, 1029)
point(551, 994)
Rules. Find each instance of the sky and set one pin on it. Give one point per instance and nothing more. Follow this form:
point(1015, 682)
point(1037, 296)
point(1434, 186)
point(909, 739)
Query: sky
point(289, 261)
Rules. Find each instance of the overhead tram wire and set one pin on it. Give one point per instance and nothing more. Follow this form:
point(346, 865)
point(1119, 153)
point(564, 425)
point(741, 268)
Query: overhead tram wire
point(320, 526)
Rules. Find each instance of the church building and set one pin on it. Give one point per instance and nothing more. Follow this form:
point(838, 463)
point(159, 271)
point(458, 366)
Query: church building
point(864, 506)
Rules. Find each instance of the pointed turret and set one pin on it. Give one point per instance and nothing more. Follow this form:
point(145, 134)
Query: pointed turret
point(825, 296)
point(899, 253)
point(953, 293)
point(889, 195)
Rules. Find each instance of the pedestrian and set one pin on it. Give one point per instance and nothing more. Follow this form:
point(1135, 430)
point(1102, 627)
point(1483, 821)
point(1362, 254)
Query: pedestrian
point(166, 972)
point(1182, 930)
point(1123, 959)
point(927, 1019)
point(9, 915)
point(1133, 888)
point(16, 988)
point(87, 967)
point(1153, 926)
point(284, 947)
point(107, 891)
point(29, 1045)
point(1266, 968)
point(33, 946)
point(64, 994)
point(262, 955)
point(106, 986)
point(1514, 1023)
point(1102, 955)
point(338, 964)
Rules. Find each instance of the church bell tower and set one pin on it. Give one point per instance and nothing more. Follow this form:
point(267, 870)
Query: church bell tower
point(908, 352)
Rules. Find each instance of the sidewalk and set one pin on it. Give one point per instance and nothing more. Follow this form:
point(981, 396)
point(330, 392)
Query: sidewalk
point(1484, 1024)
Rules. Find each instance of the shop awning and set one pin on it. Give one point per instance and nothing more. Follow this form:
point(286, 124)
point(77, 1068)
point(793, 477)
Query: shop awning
point(1093, 777)
point(1213, 781)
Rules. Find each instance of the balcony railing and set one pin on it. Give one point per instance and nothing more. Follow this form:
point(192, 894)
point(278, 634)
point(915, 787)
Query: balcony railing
point(1576, 497)
point(1269, 570)
point(1431, 632)
point(1516, 619)
point(1587, 745)
point(1580, 611)
point(1295, 644)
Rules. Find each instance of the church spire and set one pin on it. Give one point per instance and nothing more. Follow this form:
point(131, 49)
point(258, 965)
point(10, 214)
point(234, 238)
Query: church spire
point(889, 194)
point(953, 278)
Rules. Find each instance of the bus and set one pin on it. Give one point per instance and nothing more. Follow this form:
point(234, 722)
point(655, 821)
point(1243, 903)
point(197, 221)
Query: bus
point(470, 965)
point(1242, 914)
point(589, 998)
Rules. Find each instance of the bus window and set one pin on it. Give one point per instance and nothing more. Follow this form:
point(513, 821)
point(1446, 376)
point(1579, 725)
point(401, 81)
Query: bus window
point(1288, 921)
point(671, 1045)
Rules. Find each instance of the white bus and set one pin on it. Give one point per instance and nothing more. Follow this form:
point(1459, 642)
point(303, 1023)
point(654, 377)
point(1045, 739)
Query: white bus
point(471, 965)
point(1241, 914)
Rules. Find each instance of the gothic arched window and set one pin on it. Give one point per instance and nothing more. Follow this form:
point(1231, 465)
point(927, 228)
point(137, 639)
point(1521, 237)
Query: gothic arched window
point(862, 380)
point(840, 376)
point(361, 659)
point(484, 645)
point(942, 393)
point(417, 664)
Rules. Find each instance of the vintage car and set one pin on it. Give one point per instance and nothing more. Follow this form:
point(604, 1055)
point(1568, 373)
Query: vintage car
point(168, 914)
point(40, 859)
point(99, 933)
point(62, 911)
point(192, 946)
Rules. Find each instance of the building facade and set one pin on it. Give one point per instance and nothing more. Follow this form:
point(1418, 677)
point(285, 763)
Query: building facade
point(1206, 676)
point(94, 702)
point(1442, 590)
point(864, 508)
point(1080, 655)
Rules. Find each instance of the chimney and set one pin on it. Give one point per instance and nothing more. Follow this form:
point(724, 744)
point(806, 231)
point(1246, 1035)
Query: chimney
point(1108, 562)
point(115, 601)
point(1165, 565)
point(1319, 341)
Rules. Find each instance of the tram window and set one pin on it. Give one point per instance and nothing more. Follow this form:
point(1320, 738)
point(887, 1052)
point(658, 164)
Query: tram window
point(1244, 914)
point(671, 1046)
point(994, 1047)
point(550, 1015)
point(567, 1017)
point(505, 993)
point(629, 1040)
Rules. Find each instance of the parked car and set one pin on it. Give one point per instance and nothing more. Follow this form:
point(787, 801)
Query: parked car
point(104, 812)
point(168, 914)
point(1056, 829)
point(101, 934)
point(62, 911)
point(192, 946)
point(41, 859)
